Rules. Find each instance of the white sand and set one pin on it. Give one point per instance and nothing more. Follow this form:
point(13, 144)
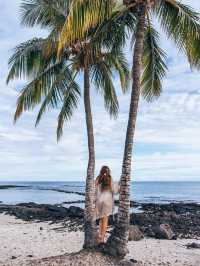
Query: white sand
point(21, 239)
point(165, 252)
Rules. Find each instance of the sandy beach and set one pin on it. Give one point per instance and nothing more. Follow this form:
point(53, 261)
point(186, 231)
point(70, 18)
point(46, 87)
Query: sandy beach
point(22, 242)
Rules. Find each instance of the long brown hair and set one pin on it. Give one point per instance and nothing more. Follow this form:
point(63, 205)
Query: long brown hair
point(105, 179)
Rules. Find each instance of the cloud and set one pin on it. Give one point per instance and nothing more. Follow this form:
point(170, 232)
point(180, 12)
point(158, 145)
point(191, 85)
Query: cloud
point(167, 135)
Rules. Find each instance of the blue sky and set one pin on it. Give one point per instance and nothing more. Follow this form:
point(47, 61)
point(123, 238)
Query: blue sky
point(167, 136)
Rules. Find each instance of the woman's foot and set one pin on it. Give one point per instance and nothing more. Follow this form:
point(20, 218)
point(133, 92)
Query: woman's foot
point(99, 239)
point(102, 240)
point(101, 245)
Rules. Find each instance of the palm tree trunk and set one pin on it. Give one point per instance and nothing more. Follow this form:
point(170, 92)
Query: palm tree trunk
point(117, 243)
point(90, 223)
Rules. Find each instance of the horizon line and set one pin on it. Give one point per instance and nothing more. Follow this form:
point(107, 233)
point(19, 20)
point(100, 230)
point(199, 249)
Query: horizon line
point(137, 181)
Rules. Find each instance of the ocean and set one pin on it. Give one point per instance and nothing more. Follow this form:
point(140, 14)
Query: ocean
point(45, 192)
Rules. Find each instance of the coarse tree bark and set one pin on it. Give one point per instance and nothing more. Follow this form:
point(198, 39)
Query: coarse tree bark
point(117, 243)
point(90, 223)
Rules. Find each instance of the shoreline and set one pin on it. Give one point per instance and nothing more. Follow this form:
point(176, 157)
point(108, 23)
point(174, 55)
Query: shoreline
point(46, 239)
point(183, 218)
point(12, 186)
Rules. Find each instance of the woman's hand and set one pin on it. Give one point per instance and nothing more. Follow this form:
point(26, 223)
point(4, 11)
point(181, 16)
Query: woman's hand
point(115, 187)
point(96, 181)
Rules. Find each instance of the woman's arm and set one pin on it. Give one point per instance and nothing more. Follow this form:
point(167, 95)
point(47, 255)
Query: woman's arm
point(97, 181)
point(115, 187)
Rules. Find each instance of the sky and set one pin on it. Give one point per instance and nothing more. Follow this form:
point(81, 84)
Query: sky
point(167, 140)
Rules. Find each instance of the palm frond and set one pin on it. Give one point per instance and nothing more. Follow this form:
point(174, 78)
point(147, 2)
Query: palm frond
point(26, 59)
point(193, 53)
point(82, 16)
point(33, 93)
point(70, 103)
point(118, 63)
point(113, 32)
point(56, 94)
point(179, 21)
point(45, 13)
point(101, 77)
point(154, 64)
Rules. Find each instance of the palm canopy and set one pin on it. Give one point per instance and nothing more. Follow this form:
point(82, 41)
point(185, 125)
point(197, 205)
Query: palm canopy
point(180, 23)
point(52, 82)
point(83, 16)
point(102, 66)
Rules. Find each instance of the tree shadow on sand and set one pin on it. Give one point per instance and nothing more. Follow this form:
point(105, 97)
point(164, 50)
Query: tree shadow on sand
point(83, 258)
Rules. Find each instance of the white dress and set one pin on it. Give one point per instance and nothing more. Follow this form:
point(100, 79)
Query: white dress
point(105, 201)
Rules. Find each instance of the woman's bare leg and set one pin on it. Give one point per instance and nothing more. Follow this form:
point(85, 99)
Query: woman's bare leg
point(100, 229)
point(104, 228)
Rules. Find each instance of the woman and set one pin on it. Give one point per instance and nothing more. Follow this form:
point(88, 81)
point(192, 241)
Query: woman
point(105, 190)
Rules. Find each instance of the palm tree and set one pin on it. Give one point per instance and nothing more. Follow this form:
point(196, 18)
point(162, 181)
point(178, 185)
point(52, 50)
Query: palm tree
point(182, 25)
point(53, 81)
point(97, 67)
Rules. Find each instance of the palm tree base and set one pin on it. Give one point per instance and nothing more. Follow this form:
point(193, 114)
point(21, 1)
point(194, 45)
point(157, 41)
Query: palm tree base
point(116, 245)
point(90, 236)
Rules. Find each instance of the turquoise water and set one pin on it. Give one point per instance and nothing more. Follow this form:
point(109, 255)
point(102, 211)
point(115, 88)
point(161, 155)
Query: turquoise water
point(157, 192)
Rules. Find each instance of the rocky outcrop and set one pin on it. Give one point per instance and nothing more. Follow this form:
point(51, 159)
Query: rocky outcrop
point(193, 245)
point(64, 191)
point(71, 217)
point(164, 231)
point(134, 233)
point(183, 218)
point(11, 186)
